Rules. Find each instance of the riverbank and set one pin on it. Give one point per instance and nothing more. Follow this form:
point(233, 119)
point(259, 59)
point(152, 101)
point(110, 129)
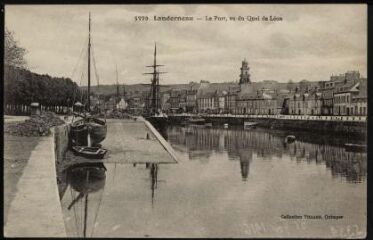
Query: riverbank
point(344, 125)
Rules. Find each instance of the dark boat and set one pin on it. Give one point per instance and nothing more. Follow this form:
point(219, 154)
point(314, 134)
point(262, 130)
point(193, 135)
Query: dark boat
point(78, 133)
point(350, 147)
point(196, 121)
point(88, 127)
point(89, 152)
point(289, 139)
point(97, 130)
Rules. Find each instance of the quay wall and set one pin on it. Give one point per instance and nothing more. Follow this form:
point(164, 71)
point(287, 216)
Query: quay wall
point(61, 139)
point(332, 125)
point(36, 211)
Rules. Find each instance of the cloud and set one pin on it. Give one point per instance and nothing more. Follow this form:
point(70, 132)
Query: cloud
point(312, 41)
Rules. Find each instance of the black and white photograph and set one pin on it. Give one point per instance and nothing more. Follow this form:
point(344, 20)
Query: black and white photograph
point(185, 120)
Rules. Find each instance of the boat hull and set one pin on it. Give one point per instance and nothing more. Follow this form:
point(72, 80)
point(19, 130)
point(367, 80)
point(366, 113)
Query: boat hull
point(79, 136)
point(157, 121)
point(97, 133)
point(80, 129)
point(355, 147)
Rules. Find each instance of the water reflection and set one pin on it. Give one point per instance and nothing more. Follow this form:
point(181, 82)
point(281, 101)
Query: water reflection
point(153, 171)
point(154, 178)
point(201, 143)
point(86, 183)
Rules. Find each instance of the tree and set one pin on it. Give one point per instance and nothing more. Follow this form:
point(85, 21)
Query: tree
point(13, 54)
point(290, 85)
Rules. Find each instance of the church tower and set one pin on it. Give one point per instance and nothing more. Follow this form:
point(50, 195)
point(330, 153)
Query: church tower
point(245, 76)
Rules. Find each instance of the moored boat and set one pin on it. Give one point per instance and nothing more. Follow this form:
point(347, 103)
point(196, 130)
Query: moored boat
point(248, 125)
point(289, 139)
point(88, 129)
point(350, 147)
point(89, 152)
point(97, 130)
point(208, 125)
point(196, 121)
point(78, 133)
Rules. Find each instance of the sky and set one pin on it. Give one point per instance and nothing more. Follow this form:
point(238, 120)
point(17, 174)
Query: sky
point(311, 42)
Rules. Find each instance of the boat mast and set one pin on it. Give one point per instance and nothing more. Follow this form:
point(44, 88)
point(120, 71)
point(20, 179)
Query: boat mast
point(89, 63)
point(116, 69)
point(154, 82)
point(154, 90)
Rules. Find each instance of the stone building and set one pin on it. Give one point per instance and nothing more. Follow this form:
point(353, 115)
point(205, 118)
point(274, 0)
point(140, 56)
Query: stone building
point(330, 87)
point(206, 102)
point(350, 98)
point(305, 103)
point(327, 92)
point(245, 76)
point(360, 100)
point(256, 103)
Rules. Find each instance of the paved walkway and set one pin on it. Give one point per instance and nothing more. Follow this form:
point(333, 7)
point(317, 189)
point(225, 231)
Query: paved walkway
point(36, 210)
point(10, 118)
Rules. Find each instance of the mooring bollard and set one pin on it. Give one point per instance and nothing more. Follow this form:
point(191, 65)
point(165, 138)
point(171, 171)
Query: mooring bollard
point(147, 136)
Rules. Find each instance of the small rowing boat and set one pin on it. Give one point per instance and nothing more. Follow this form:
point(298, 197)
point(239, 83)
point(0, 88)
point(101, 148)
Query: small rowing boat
point(89, 152)
point(289, 139)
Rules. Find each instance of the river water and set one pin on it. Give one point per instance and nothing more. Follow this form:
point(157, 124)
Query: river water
point(227, 183)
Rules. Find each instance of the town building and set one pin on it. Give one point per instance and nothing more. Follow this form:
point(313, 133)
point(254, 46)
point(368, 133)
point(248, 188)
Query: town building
point(191, 100)
point(244, 76)
point(256, 103)
point(360, 100)
point(230, 101)
point(327, 96)
point(350, 98)
point(206, 101)
point(217, 97)
point(307, 102)
point(122, 105)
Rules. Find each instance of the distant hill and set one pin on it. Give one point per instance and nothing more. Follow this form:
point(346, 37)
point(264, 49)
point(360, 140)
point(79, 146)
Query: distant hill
point(135, 89)
point(131, 89)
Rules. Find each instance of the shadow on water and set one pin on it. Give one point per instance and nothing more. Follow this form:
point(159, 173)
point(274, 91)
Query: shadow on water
point(201, 143)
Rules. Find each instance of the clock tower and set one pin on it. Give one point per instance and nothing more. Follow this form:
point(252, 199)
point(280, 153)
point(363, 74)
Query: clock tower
point(245, 76)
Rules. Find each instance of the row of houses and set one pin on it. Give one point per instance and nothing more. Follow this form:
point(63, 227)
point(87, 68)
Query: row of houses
point(345, 94)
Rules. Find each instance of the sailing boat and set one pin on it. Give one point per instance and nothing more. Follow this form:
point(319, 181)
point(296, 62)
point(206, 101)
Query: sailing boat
point(154, 113)
point(88, 130)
